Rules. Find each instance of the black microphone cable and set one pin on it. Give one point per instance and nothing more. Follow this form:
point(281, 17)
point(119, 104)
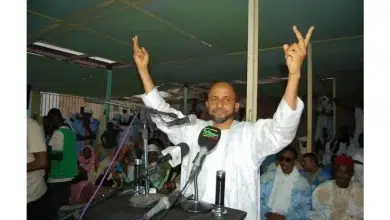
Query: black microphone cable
point(178, 199)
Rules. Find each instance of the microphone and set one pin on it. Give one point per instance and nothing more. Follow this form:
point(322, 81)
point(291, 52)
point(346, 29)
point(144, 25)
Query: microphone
point(173, 155)
point(207, 140)
point(190, 119)
point(164, 203)
point(220, 188)
point(137, 173)
point(219, 208)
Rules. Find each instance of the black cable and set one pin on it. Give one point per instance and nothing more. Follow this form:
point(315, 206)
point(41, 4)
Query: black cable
point(174, 203)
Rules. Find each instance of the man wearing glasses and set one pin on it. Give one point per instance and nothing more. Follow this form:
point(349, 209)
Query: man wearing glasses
point(284, 192)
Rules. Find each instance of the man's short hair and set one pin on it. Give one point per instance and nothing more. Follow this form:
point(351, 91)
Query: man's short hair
point(312, 156)
point(54, 112)
point(289, 149)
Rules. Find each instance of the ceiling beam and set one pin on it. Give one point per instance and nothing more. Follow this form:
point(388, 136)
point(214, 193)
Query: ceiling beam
point(56, 56)
point(77, 57)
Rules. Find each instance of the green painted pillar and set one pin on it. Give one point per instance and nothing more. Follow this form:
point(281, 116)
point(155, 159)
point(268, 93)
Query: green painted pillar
point(108, 94)
point(185, 109)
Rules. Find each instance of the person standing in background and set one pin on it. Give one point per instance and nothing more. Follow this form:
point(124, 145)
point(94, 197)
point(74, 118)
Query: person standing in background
point(359, 114)
point(36, 165)
point(109, 139)
point(86, 129)
point(63, 162)
point(324, 118)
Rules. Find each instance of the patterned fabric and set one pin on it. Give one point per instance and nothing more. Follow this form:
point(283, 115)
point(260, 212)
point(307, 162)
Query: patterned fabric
point(300, 202)
point(79, 129)
point(331, 202)
point(321, 176)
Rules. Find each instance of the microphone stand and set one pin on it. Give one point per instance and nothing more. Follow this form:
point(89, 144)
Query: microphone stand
point(145, 137)
point(144, 200)
point(195, 205)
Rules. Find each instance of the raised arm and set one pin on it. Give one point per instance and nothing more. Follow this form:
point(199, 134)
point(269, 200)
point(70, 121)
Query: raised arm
point(152, 97)
point(276, 133)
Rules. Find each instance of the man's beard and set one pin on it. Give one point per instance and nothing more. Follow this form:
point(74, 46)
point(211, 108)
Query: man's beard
point(220, 120)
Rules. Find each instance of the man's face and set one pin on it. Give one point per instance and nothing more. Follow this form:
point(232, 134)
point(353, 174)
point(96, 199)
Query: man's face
point(343, 175)
point(221, 103)
point(152, 156)
point(287, 162)
point(308, 164)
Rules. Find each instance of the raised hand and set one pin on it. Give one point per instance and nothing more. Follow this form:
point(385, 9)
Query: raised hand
point(295, 53)
point(140, 56)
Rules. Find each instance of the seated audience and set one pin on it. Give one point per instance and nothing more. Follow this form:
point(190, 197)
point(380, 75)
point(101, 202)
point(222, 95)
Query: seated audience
point(284, 193)
point(84, 185)
point(340, 198)
point(109, 139)
point(160, 176)
point(118, 172)
point(312, 172)
point(271, 159)
point(87, 163)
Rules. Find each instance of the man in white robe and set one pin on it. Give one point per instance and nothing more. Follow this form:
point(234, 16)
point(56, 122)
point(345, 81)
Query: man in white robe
point(285, 193)
point(341, 198)
point(324, 118)
point(243, 145)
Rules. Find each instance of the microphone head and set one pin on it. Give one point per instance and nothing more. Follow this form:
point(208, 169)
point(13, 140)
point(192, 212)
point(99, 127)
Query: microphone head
point(184, 148)
point(192, 119)
point(209, 137)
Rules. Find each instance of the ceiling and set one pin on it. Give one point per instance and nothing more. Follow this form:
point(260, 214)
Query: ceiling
point(191, 42)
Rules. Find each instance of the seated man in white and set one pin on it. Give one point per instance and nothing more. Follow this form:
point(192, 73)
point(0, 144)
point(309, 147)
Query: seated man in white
point(284, 193)
point(341, 198)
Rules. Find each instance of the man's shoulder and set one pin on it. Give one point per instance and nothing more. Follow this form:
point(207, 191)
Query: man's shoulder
point(33, 128)
point(267, 177)
point(302, 183)
point(325, 184)
point(31, 123)
point(323, 189)
point(57, 134)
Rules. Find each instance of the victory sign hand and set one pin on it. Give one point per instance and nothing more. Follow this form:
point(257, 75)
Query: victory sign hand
point(140, 56)
point(295, 53)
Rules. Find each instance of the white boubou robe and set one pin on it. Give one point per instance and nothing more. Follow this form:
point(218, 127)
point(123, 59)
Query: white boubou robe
point(240, 152)
point(324, 121)
point(331, 202)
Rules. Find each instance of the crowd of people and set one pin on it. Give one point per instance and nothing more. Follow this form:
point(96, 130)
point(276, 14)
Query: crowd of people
point(68, 166)
point(294, 184)
point(325, 184)
point(67, 159)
